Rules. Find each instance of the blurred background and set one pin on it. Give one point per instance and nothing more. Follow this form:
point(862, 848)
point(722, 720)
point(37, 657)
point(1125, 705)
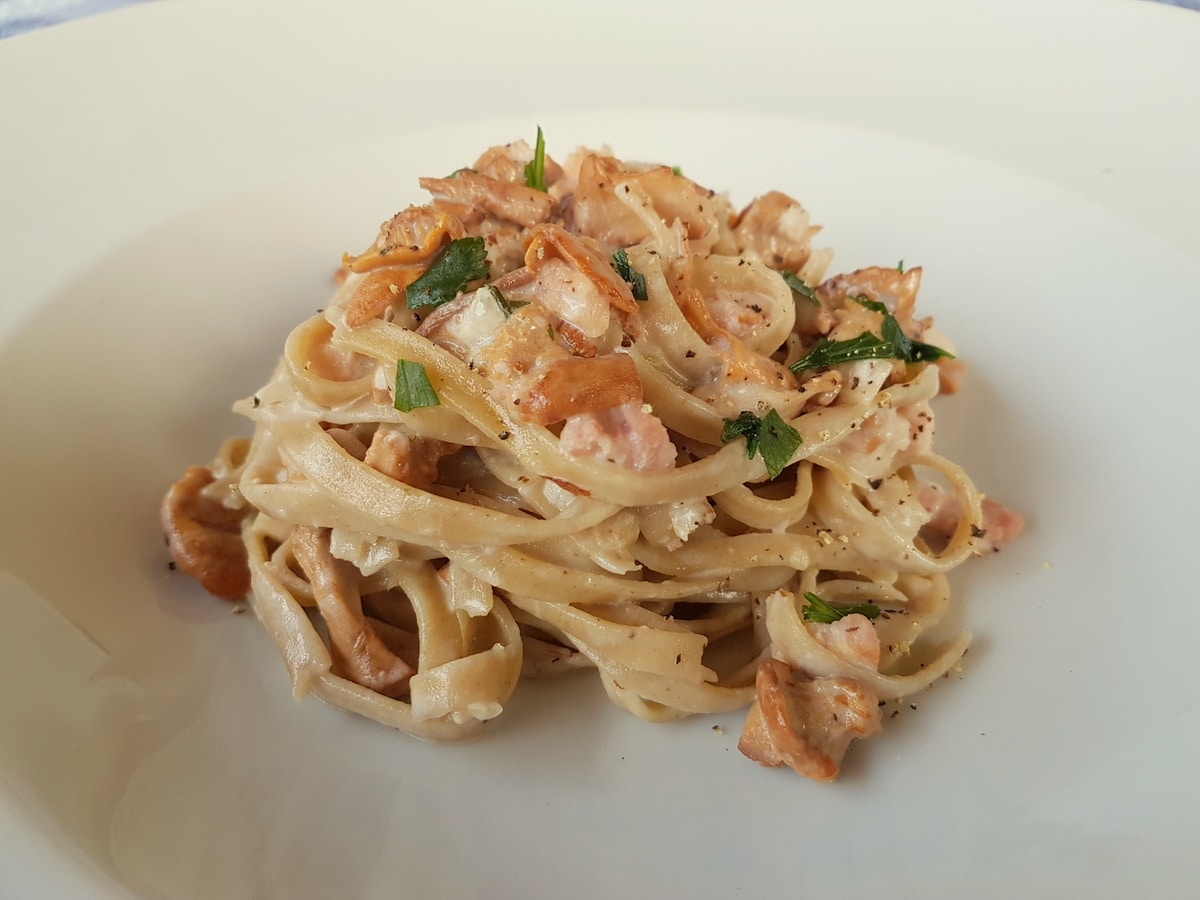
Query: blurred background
point(17, 16)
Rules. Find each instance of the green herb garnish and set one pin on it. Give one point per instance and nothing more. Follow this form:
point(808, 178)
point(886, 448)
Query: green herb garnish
point(900, 267)
point(894, 344)
point(635, 279)
point(676, 170)
point(771, 437)
point(800, 286)
point(413, 389)
point(458, 264)
point(817, 610)
point(508, 307)
point(535, 169)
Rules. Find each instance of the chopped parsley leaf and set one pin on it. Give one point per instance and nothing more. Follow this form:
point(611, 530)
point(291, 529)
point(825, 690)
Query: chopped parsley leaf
point(771, 437)
point(458, 264)
point(535, 169)
point(893, 344)
point(676, 170)
point(635, 279)
point(800, 286)
point(508, 307)
point(413, 389)
point(817, 610)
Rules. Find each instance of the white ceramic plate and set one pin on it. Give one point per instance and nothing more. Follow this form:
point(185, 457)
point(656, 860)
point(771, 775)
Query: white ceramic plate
point(177, 184)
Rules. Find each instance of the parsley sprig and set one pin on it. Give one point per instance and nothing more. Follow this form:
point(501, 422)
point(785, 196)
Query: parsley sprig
point(458, 264)
point(535, 169)
point(413, 389)
point(891, 343)
point(817, 610)
point(800, 286)
point(635, 279)
point(769, 436)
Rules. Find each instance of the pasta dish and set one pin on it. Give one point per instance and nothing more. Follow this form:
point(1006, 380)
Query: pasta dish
point(588, 415)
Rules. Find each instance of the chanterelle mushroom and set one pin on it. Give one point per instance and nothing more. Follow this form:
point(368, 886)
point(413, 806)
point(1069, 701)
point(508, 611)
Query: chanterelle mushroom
point(358, 653)
point(205, 536)
point(806, 723)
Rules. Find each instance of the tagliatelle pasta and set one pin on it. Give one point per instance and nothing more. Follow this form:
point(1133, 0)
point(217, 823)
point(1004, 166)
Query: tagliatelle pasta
point(589, 417)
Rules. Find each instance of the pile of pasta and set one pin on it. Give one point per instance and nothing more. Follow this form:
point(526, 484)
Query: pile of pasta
point(589, 416)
